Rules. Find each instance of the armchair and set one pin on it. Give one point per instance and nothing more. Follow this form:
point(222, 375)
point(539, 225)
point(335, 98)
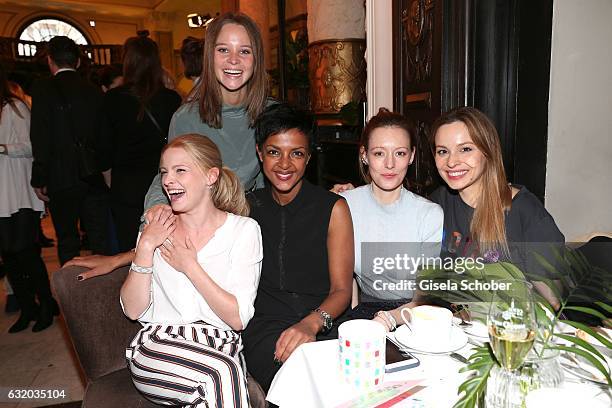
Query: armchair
point(99, 332)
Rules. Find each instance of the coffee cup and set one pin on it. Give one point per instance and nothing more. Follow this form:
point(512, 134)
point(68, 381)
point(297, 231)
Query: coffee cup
point(430, 325)
point(362, 353)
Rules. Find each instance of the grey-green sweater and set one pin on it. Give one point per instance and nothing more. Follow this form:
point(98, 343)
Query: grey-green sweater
point(236, 141)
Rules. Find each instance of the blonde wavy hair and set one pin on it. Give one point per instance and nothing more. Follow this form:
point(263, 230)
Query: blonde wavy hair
point(227, 192)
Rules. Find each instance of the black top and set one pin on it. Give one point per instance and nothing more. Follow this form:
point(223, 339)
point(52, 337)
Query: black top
point(133, 146)
point(295, 274)
point(62, 106)
point(529, 227)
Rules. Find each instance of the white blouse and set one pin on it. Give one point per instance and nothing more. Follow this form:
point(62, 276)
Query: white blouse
point(232, 258)
point(16, 167)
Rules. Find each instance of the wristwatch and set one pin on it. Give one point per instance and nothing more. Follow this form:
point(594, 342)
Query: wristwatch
point(328, 322)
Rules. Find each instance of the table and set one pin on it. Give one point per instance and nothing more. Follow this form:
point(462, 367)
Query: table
point(310, 378)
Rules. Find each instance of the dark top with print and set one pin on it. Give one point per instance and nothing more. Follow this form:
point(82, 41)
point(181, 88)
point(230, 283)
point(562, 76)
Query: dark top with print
point(529, 228)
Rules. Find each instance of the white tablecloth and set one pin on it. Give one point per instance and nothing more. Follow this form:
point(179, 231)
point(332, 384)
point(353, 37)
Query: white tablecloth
point(311, 378)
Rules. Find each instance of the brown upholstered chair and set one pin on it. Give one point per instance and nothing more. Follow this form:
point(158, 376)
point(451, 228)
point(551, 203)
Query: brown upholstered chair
point(100, 332)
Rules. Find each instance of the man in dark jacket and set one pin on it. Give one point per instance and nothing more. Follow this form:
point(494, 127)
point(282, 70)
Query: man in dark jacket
point(64, 110)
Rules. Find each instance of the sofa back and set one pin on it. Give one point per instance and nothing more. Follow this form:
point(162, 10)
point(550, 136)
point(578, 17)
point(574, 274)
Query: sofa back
point(99, 330)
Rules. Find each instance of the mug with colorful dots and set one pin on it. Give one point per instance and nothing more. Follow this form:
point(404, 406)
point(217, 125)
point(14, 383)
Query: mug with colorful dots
point(362, 353)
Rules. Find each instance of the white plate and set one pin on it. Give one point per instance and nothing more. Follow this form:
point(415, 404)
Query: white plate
point(476, 328)
point(458, 339)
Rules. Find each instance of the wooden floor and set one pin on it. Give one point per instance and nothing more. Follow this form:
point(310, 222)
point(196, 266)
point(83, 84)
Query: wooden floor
point(43, 360)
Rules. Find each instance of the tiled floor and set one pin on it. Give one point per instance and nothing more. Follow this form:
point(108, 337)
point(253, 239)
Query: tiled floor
point(43, 360)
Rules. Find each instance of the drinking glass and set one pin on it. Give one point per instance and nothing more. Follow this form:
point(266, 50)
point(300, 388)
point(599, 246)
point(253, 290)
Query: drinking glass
point(512, 327)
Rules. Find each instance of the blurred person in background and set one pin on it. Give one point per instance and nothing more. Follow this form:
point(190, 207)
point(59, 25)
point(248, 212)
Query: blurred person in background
point(20, 211)
point(66, 171)
point(134, 123)
point(192, 52)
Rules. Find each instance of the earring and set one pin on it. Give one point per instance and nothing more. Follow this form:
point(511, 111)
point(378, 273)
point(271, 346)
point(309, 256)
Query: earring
point(364, 161)
point(210, 186)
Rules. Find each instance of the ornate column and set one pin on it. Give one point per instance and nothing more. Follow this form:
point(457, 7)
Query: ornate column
point(258, 11)
point(160, 26)
point(337, 68)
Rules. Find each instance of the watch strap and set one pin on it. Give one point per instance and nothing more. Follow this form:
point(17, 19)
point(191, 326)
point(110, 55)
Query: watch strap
point(328, 321)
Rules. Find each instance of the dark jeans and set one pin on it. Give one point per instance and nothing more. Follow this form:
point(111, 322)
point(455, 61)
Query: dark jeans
point(87, 204)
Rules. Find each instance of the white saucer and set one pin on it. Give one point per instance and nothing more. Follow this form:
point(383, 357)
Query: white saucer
point(458, 339)
point(476, 328)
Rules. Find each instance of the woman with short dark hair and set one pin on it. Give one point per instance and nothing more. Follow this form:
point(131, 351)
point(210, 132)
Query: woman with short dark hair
point(306, 277)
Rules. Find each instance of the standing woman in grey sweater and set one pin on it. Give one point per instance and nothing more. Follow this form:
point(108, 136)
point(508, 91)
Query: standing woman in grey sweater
point(232, 92)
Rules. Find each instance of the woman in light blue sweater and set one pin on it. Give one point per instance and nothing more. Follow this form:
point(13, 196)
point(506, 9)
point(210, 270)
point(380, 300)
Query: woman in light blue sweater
point(395, 229)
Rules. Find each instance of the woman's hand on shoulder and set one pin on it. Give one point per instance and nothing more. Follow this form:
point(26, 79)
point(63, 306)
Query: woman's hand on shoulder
point(181, 256)
point(160, 226)
point(305, 331)
point(340, 188)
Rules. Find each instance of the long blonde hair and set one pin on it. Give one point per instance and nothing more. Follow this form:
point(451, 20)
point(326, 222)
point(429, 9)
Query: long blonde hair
point(227, 192)
point(488, 225)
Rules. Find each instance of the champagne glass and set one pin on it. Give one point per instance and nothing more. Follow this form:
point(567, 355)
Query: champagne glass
point(512, 323)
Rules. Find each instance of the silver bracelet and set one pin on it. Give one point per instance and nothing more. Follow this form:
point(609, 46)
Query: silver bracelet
point(141, 269)
point(388, 319)
point(391, 320)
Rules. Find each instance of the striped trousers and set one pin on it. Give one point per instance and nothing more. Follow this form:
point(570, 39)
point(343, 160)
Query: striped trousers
point(191, 365)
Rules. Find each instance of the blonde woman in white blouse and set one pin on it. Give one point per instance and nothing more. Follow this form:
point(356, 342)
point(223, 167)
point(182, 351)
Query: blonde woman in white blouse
point(193, 283)
point(20, 212)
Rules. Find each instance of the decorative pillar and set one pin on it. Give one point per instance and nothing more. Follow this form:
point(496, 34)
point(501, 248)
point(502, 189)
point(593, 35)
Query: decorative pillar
point(336, 67)
point(258, 11)
point(160, 25)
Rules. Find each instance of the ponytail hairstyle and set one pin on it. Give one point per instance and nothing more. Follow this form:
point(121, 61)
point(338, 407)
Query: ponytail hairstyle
point(227, 192)
point(488, 225)
point(385, 119)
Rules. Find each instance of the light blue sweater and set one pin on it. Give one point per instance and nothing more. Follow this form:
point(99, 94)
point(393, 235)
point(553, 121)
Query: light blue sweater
point(411, 227)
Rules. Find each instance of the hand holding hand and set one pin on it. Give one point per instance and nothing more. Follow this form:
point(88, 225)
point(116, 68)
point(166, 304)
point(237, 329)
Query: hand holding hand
point(302, 332)
point(180, 256)
point(157, 230)
point(340, 188)
point(156, 211)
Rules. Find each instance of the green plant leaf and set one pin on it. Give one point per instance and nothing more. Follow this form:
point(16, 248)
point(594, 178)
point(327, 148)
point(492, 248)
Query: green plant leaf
point(594, 361)
point(587, 310)
point(470, 391)
point(605, 307)
point(607, 343)
point(584, 344)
